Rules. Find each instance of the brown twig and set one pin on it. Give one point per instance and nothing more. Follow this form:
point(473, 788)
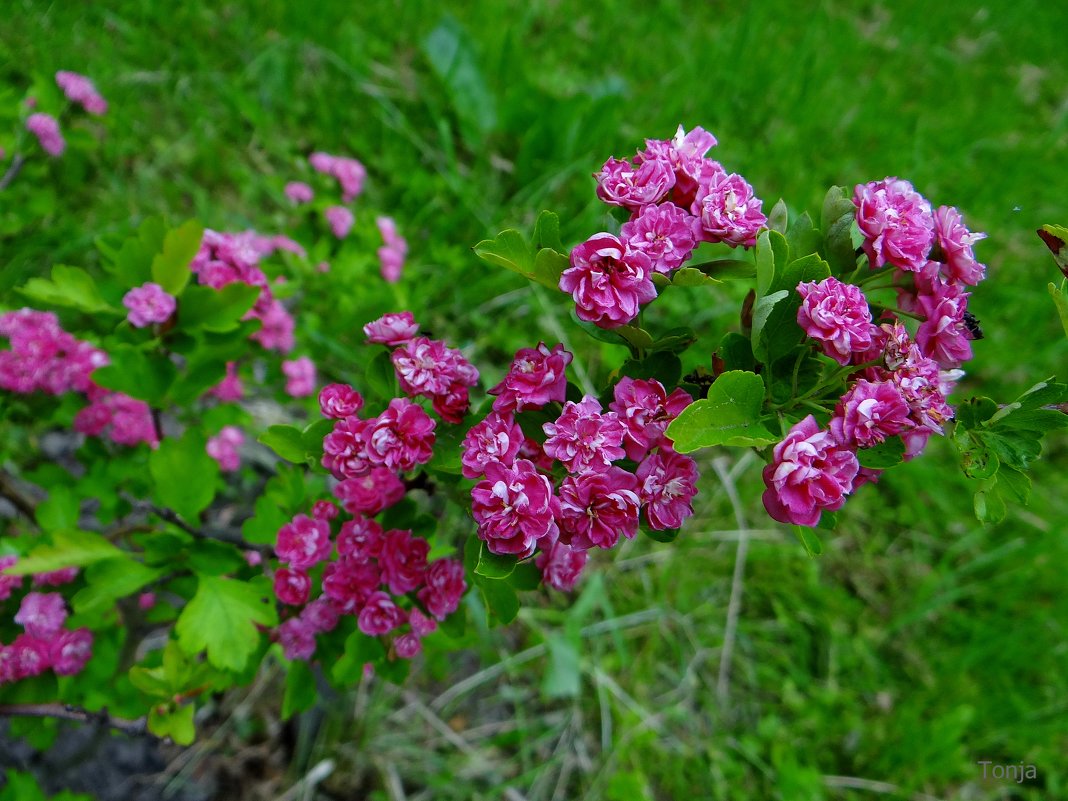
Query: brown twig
point(23, 504)
point(12, 171)
point(135, 728)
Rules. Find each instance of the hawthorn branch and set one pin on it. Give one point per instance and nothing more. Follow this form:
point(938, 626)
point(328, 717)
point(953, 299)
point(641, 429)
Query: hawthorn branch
point(23, 504)
point(134, 728)
point(172, 517)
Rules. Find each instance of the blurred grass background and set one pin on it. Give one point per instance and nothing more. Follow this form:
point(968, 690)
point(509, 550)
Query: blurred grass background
point(920, 642)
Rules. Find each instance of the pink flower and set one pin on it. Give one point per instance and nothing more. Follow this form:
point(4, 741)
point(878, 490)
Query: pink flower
point(224, 448)
point(495, 439)
point(320, 615)
point(350, 173)
point(685, 153)
point(339, 401)
point(729, 211)
point(403, 561)
point(444, 587)
point(453, 407)
point(407, 646)
point(420, 623)
point(645, 409)
point(350, 584)
point(8, 584)
point(956, 242)
point(146, 601)
point(583, 438)
point(371, 493)
point(360, 539)
point(280, 242)
point(70, 651)
point(597, 507)
point(55, 578)
point(303, 542)
point(345, 448)
point(809, 472)
point(608, 282)
point(392, 329)
point(80, 90)
point(379, 615)
point(340, 219)
point(229, 389)
point(667, 482)
point(299, 192)
point(276, 331)
point(42, 614)
point(896, 222)
point(561, 566)
point(537, 376)
point(944, 335)
point(253, 558)
point(297, 639)
point(663, 233)
point(393, 253)
point(622, 183)
point(325, 510)
point(869, 413)
point(837, 316)
point(46, 129)
point(292, 586)
point(300, 377)
point(429, 368)
point(514, 507)
point(401, 437)
point(148, 304)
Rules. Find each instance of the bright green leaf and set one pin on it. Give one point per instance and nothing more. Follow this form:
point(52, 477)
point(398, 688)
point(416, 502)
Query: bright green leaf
point(67, 549)
point(184, 474)
point(729, 416)
point(221, 620)
point(286, 441)
point(170, 268)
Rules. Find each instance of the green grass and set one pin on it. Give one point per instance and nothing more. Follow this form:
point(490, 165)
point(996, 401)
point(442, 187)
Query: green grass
point(920, 642)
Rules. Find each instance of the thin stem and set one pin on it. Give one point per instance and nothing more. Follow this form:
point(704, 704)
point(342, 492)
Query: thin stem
point(137, 727)
point(23, 504)
point(12, 171)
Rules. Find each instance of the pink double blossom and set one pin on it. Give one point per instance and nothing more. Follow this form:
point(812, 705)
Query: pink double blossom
point(230, 388)
point(303, 542)
point(70, 651)
point(897, 223)
point(299, 192)
point(225, 448)
point(837, 316)
point(297, 639)
point(497, 439)
point(360, 539)
point(608, 282)
point(349, 172)
point(630, 185)
point(944, 335)
point(444, 587)
point(514, 508)
point(345, 448)
point(394, 251)
point(300, 377)
point(401, 437)
point(685, 152)
point(392, 329)
point(597, 507)
point(403, 561)
point(810, 472)
point(44, 357)
point(81, 90)
point(667, 483)
point(148, 304)
point(664, 233)
point(583, 437)
point(292, 586)
point(646, 410)
point(956, 241)
point(729, 211)
point(339, 401)
point(537, 376)
point(46, 129)
point(561, 566)
point(869, 413)
point(55, 578)
point(340, 220)
point(380, 615)
point(370, 493)
point(350, 584)
point(431, 369)
point(42, 614)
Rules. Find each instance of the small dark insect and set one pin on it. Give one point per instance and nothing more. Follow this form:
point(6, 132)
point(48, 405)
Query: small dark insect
point(972, 324)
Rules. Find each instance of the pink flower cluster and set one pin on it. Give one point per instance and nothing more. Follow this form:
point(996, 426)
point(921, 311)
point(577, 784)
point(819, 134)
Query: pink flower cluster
point(677, 198)
point(225, 447)
point(300, 377)
point(394, 250)
point(44, 644)
point(126, 420)
point(46, 128)
point(340, 219)
point(227, 258)
point(299, 192)
point(382, 578)
point(518, 509)
point(428, 368)
point(148, 304)
point(349, 172)
point(81, 90)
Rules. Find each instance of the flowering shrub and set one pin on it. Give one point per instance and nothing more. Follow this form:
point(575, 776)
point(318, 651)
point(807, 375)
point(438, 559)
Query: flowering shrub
point(415, 480)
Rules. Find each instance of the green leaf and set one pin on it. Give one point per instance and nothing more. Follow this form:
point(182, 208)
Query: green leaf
point(170, 268)
point(1014, 484)
point(67, 549)
point(1055, 237)
point(525, 577)
point(500, 598)
point(380, 377)
point(839, 215)
point(674, 341)
point(664, 367)
point(21, 787)
point(492, 565)
point(762, 312)
point(300, 692)
point(70, 287)
point(262, 527)
point(549, 265)
point(802, 236)
point(809, 539)
point(511, 250)
point(451, 54)
point(135, 373)
point(215, 310)
point(176, 723)
point(688, 276)
point(359, 650)
point(110, 580)
point(563, 675)
point(975, 411)
point(664, 535)
point(221, 620)
point(886, 454)
point(726, 269)
point(779, 218)
point(989, 505)
point(736, 351)
point(59, 511)
point(764, 256)
point(1060, 301)
point(547, 232)
point(729, 416)
point(1044, 393)
point(286, 441)
point(184, 474)
point(836, 204)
